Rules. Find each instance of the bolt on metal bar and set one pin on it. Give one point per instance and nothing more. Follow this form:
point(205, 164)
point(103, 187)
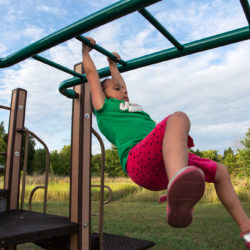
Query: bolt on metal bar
point(246, 7)
point(160, 28)
point(57, 66)
point(99, 18)
point(212, 42)
point(100, 49)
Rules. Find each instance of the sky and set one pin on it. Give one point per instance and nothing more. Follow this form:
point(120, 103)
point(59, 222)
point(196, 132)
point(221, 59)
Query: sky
point(211, 87)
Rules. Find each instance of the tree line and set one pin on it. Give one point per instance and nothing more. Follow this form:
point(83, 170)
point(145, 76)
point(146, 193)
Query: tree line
point(238, 161)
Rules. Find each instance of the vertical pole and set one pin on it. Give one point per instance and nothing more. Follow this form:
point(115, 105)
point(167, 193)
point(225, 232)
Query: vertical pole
point(25, 164)
point(80, 187)
point(13, 158)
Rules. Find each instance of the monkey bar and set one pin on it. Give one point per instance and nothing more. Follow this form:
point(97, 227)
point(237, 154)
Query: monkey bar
point(113, 12)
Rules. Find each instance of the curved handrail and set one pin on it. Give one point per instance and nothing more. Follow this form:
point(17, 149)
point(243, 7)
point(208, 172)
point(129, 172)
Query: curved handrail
point(109, 197)
point(46, 170)
point(211, 42)
point(110, 193)
point(31, 195)
point(99, 18)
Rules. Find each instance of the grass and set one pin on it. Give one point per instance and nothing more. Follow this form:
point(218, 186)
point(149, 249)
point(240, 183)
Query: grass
point(212, 227)
point(134, 212)
point(123, 189)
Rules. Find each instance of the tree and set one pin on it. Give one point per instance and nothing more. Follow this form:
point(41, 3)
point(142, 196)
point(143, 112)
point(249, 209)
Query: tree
point(112, 164)
point(39, 161)
point(60, 161)
point(3, 146)
point(243, 156)
point(229, 160)
point(96, 164)
point(212, 155)
point(196, 152)
point(3, 143)
point(65, 160)
point(31, 152)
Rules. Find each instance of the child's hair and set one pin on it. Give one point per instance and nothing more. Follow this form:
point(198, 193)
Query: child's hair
point(103, 84)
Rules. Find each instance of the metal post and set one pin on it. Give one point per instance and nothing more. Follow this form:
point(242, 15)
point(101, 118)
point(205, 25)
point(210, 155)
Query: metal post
point(13, 158)
point(80, 186)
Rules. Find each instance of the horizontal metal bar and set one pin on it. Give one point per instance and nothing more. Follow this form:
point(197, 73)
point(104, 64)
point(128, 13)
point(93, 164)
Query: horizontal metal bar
point(5, 107)
point(246, 7)
point(56, 65)
point(159, 27)
point(164, 55)
point(99, 18)
point(100, 49)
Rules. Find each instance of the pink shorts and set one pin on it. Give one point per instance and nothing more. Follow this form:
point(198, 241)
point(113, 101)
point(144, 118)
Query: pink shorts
point(145, 164)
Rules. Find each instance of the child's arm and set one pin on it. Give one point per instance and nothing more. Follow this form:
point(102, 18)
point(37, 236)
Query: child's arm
point(115, 73)
point(97, 94)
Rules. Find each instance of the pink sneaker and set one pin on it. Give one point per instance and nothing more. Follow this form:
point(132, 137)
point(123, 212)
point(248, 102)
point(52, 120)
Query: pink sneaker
point(246, 238)
point(184, 190)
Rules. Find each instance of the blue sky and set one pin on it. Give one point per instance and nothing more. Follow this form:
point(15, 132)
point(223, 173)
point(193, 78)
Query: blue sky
point(212, 87)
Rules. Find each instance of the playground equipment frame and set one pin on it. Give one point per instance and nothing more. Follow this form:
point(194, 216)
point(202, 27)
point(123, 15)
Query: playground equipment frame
point(81, 112)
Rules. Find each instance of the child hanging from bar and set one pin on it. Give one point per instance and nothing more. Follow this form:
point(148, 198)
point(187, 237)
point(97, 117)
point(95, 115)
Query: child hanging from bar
point(156, 157)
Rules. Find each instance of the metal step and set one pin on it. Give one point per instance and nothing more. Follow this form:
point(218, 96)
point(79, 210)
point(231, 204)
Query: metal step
point(20, 226)
point(52, 232)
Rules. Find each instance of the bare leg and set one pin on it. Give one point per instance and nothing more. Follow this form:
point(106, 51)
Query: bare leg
point(229, 199)
point(175, 150)
point(188, 186)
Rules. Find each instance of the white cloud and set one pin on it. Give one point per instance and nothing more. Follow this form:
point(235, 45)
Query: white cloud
point(47, 8)
point(225, 128)
point(33, 33)
point(211, 87)
point(195, 20)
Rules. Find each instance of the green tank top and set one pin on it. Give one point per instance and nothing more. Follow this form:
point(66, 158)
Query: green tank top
point(124, 125)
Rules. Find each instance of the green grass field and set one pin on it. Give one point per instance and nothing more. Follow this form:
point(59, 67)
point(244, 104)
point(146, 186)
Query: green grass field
point(123, 189)
point(212, 227)
point(135, 212)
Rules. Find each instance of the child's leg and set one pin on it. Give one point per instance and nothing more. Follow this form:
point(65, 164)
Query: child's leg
point(175, 149)
point(186, 185)
point(229, 199)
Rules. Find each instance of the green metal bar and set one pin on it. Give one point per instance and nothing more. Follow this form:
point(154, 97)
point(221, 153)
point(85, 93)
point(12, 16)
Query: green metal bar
point(57, 66)
point(100, 49)
point(88, 23)
point(164, 55)
point(246, 7)
point(162, 29)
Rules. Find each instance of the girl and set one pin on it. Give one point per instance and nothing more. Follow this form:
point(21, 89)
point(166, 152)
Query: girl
point(156, 157)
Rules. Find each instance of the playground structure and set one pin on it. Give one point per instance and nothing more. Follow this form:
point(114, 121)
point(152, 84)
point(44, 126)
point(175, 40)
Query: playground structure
point(54, 232)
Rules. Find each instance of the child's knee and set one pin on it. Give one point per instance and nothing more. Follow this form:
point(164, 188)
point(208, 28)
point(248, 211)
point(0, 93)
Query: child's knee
point(180, 117)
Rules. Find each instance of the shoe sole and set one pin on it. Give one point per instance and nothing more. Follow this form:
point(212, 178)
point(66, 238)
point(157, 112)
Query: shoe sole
point(184, 191)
